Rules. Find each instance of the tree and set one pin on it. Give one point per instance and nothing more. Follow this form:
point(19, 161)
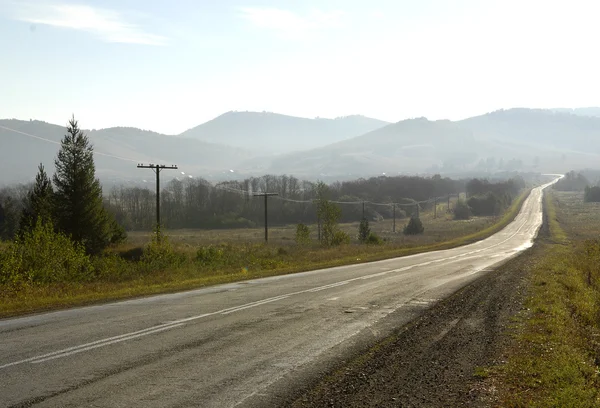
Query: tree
point(38, 203)
point(9, 218)
point(329, 215)
point(462, 211)
point(364, 230)
point(414, 227)
point(78, 195)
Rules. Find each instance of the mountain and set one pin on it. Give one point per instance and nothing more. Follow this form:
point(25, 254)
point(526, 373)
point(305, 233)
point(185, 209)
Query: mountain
point(274, 133)
point(407, 146)
point(591, 111)
point(117, 151)
point(506, 140)
point(500, 141)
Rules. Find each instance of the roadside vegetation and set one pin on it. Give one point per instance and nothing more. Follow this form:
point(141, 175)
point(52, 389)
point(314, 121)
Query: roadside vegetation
point(67, 246)
point(555, 356)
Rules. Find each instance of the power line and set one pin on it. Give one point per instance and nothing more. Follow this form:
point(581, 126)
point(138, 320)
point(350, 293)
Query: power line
point(58, 143)
point(157, 168)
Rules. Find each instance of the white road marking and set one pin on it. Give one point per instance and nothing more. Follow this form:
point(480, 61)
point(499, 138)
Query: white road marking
point(177, 323)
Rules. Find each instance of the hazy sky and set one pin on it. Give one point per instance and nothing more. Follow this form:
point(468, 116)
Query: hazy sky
point(171, 65)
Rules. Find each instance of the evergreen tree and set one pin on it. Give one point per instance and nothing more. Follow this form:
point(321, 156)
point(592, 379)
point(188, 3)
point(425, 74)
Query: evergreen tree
point(78, 195)
point(38, 203)
point(364, 231)
point(9, 218)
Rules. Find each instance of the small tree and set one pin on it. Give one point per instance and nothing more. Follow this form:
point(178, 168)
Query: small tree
point(364, 230)
point(38, 203)
point(329, 215)
point(302, 234)
point(462, 211)
point(414, 227)
point(78, 196)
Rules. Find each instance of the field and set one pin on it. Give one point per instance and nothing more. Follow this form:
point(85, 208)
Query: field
point(554, 358)
point(191, 258)
point(439, 229)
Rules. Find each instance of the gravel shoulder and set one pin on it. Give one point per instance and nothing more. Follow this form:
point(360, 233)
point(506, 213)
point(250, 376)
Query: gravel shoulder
point(440, 359)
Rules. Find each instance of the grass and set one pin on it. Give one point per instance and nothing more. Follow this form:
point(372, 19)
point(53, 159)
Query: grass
point(554, 359)
point(120, 278)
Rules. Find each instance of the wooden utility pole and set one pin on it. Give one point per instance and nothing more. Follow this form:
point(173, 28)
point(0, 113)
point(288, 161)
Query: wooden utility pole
point(265, 195)
point(157, 168)
point(394, 212)
point(448, 203)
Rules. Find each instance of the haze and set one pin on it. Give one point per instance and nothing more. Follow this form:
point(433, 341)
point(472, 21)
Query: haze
point(168, 67)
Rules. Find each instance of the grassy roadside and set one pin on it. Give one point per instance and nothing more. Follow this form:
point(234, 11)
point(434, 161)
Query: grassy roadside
point(554, 358)
point(251, 261)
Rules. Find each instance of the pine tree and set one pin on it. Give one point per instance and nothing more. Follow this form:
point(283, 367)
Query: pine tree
point(78, 195)
point(38, 203)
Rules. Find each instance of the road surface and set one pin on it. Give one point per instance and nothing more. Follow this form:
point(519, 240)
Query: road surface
point(241, 344)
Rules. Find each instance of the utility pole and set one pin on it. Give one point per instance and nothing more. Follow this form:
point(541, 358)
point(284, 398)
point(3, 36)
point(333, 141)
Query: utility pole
point(394, 212)
point(435, 207)
point(157, 168)
point(448, 202)
point(417, 208)
point(265, 195)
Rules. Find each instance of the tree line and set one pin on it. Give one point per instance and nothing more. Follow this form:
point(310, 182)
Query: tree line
point(195, 203)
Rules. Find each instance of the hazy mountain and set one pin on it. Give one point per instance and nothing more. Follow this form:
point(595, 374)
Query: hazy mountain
point(407, 146)
point(274, 133)
point(118, 150)
point(591, 111)
point(506, 140)
point(515, 139)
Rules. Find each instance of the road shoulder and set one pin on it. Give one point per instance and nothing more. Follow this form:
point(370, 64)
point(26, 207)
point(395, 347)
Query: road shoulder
point(440, 358)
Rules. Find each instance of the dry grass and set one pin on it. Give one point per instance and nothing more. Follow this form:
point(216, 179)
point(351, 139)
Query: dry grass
point(555, 356)
point(125, 279)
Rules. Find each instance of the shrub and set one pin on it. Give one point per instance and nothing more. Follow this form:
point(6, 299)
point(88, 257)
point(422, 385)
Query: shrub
point(414, 227)
point(210, 255)
point(42, 255)
point(302, 234)
point(339, 238)
point(462, 211)
point(159, 254)
point(363, 230)
point(374, 239)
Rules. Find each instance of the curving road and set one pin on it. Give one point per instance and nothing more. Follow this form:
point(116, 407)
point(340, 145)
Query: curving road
point(244, 344)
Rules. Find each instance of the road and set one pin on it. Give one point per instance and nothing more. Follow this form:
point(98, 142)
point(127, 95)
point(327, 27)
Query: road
point(240, 344)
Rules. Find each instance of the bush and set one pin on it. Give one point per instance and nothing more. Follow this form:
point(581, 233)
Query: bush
point(159, 254)
point(374, 239)
point(414, 227)
point(339, 238)
point(363, 230)
point(302, 234)
point(462, 211)
point(210, 255)
point(42, 255)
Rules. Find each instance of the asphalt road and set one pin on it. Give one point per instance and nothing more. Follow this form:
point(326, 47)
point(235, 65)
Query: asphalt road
point(242, 344)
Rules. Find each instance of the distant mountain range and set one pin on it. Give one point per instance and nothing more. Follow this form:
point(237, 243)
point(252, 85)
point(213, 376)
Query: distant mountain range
point(268, 132)
point(241, 144)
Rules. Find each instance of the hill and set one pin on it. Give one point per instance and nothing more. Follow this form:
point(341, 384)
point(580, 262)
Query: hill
point(506, 140)
point(117, 151)
point(274, 133)
point(408, 146)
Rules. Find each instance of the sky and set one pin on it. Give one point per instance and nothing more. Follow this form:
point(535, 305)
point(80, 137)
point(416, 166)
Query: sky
point(168, 66)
